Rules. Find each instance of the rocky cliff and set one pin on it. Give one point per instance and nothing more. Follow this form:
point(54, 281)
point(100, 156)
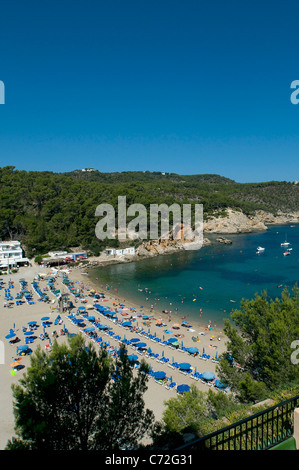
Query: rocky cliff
point(232, 222)
point(238, 222)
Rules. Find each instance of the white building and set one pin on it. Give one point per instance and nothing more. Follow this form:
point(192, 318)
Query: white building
point(57, 254)
point(120, 252)
point(11, 254)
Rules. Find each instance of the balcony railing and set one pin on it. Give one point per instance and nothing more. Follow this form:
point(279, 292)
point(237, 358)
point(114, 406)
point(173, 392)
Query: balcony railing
point(257, 432)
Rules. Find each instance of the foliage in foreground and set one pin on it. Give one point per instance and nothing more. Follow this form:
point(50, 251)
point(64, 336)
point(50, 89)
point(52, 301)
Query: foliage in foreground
point(262, 343)
point(77, 398)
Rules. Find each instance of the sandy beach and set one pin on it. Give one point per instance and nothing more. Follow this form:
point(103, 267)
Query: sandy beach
point(16, 317)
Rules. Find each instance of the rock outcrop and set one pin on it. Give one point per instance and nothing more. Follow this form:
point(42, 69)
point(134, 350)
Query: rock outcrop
point(238, 222)
point(161, 247)
point(233, 222)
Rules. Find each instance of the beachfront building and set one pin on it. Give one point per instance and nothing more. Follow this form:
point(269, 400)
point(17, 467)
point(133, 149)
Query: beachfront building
point(57, 254)
point(11, 255)
point(121, 251)
point(61, 257)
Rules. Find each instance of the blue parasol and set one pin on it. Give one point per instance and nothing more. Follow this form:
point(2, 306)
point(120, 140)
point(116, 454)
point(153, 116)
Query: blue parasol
point(132, 357)
point(172, 340)
point(208, 376)
point(45, 318)
point(219, 384)
point(183, 388)
point(141, 345)
point(193, 350)
point(159, 375)
point(185, 366)
point(10, 335)
point(24, 347)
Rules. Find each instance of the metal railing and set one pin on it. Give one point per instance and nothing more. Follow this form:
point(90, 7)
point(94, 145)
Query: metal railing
point(260, 431)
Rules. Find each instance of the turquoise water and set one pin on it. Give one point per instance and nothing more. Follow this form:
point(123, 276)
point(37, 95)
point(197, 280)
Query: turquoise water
point(209, 279)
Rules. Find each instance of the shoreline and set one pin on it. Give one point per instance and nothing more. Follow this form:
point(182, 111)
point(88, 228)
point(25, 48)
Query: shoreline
point(175, 317)
point(156, 395)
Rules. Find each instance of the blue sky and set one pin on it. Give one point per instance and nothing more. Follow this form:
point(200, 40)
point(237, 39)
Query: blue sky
point(162, 85)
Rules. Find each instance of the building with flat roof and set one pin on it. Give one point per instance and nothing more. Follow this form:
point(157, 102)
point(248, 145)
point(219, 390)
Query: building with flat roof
point(120, 251)
point(11, 255)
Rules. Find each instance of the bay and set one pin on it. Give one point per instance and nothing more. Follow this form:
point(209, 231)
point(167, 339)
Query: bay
point(206, 285)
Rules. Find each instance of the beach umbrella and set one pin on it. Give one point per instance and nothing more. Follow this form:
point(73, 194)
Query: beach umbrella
point(219, 384)
point(183, 388)
point(135, 340)
point(184, 366)
point(10, 335)
point(24, 347)
point(132, 357)
point(159, 375)
point(31, 323)
point(141, 345)
point(127, 323)
point(45, 318)
point(91, 318)
point(90, 328)
point(172, 340)
point(28, 333)
point(193, 350)
point(208, 376)
point(168, 332)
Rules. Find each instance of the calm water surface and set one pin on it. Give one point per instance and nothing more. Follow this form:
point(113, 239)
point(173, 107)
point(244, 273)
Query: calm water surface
point(212, 280)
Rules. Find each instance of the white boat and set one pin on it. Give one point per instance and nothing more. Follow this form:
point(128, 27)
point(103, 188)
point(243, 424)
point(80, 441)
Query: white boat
point(286, 253)
point(260, 249)
point(285, 243)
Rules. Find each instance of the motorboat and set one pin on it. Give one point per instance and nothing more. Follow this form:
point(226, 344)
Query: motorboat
point(285, 243)
point(286, 253)
point(260, 249)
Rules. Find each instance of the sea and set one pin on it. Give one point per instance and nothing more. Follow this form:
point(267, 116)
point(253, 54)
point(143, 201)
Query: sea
point(208, 284)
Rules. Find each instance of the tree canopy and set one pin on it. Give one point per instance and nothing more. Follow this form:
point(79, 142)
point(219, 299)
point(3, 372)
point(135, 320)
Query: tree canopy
point(261, 345)
point(78, 398)
point(47, 210)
